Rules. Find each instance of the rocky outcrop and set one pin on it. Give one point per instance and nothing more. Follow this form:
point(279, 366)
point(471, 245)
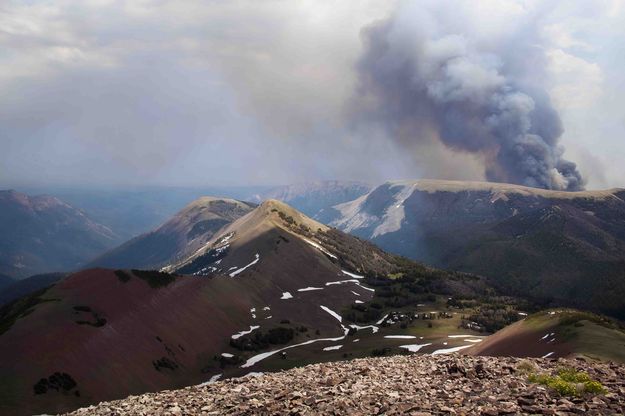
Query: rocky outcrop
point(415, 385)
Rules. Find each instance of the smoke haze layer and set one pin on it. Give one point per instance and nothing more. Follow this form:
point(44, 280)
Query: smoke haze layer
point(428, 74)
point(196, 93)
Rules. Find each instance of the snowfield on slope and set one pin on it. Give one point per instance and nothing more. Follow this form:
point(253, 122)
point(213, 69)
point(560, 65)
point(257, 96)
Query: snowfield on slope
point(240, 334)
point(234, 273)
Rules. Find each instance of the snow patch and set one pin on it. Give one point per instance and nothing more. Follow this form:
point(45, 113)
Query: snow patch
point(382, 319)
point(333, 348)
point(355, 276)
point(399, 336)
point(309, 288)
point(463, 336)
point(340, 282)
point(227, 355)
point(331, 312)
point(212, 380)
point(318, 247)
point(234, 273)
point(373, 328)
point(450, 350)
point(414, 347)
point(366, 288)
point(547, 355)
point(240, 334)
point(395, 214)
point(286, 295)
point(257, 358)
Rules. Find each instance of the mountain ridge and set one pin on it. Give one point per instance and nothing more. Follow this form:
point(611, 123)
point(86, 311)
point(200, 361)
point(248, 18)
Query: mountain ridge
point(185, 232)
point(40, 234)
point(133, 326)
point(530, 242)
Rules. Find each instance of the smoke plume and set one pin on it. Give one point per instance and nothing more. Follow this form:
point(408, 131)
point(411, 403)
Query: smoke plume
point(425, 75)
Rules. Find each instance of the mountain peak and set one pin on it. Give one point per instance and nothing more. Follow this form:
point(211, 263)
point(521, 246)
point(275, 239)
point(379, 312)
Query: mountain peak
point(283, 215)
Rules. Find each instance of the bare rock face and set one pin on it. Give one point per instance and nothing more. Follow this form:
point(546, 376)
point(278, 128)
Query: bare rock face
point(414, 385)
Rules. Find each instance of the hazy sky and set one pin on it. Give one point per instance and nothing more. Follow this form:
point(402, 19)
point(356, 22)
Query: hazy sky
point(264, 92)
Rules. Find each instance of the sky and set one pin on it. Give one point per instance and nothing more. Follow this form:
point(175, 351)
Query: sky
point(158, 92)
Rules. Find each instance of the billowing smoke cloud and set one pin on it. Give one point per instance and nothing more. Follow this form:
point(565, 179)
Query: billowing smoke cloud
point(426, 74)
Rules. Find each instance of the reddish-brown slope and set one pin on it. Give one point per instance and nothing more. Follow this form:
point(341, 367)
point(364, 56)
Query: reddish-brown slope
point(187, 322)
point(521, 340)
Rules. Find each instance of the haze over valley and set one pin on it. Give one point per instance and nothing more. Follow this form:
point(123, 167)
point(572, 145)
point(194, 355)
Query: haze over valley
point(312, 207)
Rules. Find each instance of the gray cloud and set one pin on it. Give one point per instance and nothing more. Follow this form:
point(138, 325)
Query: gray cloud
point(244, 92)
point(424, 73)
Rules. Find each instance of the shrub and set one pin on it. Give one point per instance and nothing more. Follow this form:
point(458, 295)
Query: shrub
point(526, 366)
point(154, 278)
point(569, 382)
point(122, 276)
point(57, 381)
point(573, 376)
point(594, 387)
point(99, 322)
point(261, 340)
point(164, 362)
point(378, 352)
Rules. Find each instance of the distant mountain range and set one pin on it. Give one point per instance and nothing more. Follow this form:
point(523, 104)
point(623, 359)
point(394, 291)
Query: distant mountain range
point(315, 199)
point(556, 247)
point(246, 289)
point(566, 247)
point(41, 234)
point(133, 211)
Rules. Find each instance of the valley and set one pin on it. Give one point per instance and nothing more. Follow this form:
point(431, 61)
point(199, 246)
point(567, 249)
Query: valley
point(269, 290)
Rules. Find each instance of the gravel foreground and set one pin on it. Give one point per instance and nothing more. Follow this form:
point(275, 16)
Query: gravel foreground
point(399, 385)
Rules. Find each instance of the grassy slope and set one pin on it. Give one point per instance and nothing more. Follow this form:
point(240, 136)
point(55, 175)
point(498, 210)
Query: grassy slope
point(576, 333)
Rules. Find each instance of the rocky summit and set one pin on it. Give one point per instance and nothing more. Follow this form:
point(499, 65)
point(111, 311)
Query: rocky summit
point(404, 384)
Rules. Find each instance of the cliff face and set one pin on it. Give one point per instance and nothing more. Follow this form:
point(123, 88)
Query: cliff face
point(416, 385)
